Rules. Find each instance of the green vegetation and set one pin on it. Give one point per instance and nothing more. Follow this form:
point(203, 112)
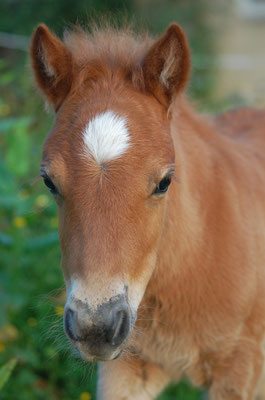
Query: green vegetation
point(31, 283)
point(5, 371)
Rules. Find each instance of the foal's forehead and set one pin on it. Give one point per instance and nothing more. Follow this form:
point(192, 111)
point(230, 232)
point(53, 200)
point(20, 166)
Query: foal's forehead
point(106, 130)
point(106, 137)
point(99, 137)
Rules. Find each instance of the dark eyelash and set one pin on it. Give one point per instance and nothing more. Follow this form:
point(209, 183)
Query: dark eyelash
point(49, 183)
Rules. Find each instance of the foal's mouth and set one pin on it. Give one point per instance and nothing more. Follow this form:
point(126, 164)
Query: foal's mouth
point(88, 352)
point(88, 357)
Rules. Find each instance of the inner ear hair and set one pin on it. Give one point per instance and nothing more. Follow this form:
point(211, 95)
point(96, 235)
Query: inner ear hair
point(168, 68)
point(167, 64)
point(52, 65)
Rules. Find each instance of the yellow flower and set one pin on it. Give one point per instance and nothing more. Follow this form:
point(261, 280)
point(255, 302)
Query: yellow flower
point(32, 321)
point(85, 396)
point(11, 332)
point(42, 201)
point(19, 222)
point(8, 333)
point(59, 310)
point(2, 347)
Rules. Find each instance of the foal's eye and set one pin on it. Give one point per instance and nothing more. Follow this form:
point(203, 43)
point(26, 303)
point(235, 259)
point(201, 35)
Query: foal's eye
point(50, 185)
point(162, 186)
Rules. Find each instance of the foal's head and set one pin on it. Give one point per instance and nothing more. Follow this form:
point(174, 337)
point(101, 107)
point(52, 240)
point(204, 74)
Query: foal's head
point(108, 162)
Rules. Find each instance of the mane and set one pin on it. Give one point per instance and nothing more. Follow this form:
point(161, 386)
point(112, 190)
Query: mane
point(120, 48)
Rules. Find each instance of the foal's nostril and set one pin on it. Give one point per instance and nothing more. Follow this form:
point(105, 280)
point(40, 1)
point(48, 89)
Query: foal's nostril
point(120, 327)
point(98, 330)
point(68, 324)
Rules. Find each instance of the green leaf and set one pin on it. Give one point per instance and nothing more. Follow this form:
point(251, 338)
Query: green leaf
point(5, 371)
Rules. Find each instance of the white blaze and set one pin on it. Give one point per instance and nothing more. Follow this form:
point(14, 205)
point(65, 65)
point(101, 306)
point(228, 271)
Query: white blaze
point(106, 137)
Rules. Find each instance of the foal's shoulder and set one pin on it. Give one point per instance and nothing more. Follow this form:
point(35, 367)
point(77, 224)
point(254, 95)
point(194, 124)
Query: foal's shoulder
point(242, 122)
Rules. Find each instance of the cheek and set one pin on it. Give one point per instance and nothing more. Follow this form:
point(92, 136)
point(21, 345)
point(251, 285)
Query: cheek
point(144, 266)
point(69, 233)
point(63, 245)
point(70, 247)
point(66, 272)
point(61, 230)
point(139, 283)
point(153, 224)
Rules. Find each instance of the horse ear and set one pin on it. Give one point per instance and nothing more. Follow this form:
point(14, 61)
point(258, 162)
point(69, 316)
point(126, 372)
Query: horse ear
point(52, 65)
point(167, 64)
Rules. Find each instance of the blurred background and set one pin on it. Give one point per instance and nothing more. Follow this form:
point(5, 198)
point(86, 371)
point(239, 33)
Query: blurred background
point(227, 38)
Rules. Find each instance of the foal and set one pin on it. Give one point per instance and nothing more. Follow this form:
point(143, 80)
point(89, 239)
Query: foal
point(161, 216)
